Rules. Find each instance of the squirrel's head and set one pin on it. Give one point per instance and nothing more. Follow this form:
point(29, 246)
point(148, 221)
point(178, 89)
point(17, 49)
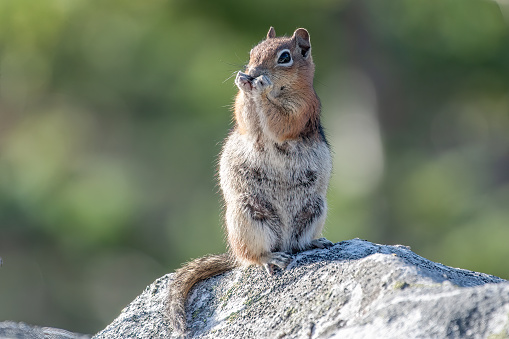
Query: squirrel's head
point(276, 95)
point(279, 64)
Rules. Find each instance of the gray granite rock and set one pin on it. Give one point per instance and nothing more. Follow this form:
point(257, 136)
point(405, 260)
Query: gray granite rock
point(13, 330)
point(355, 289)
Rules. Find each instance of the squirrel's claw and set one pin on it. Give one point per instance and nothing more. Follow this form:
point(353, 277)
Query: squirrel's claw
point(279, 259)
point(320, 243)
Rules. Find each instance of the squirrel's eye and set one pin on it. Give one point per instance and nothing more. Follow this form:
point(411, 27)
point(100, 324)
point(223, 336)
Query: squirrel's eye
point(284, 58)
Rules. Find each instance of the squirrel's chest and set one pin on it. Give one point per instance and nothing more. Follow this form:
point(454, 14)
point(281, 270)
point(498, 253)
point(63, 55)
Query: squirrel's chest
point(280, 171)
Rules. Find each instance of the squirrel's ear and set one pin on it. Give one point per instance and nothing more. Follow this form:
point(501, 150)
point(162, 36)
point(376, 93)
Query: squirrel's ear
point(301, 37)
point(272, 33)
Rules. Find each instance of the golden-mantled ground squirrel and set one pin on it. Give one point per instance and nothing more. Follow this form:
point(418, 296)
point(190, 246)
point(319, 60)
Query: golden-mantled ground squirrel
point(274, 168)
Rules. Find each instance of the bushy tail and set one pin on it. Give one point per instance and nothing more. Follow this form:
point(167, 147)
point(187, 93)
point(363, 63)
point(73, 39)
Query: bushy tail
point(185, 278)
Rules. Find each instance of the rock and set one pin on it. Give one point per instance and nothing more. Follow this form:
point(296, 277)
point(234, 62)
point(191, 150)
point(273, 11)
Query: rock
point(13, 330)
point(355, 289)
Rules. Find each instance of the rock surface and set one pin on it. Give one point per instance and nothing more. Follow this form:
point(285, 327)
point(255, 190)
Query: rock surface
point(355, 289)
point(13, 330)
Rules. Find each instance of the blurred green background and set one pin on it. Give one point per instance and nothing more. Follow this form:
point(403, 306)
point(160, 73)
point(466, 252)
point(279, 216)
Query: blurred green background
point(112, 114)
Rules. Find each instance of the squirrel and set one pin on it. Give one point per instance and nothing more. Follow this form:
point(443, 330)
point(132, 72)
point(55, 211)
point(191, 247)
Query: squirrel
point(274, 168)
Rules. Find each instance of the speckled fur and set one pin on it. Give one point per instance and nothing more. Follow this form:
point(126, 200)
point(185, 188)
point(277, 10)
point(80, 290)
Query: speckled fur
point(274, 168)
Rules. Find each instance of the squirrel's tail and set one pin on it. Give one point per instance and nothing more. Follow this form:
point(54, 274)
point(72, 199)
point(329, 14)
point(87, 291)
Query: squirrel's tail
point(186, 277)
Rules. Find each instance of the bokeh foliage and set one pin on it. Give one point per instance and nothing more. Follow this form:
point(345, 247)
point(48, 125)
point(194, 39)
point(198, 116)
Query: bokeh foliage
point(112, 114)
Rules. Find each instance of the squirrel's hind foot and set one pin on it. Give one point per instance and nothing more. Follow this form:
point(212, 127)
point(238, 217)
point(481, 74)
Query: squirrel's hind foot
point(314, 244)
point(320, 243)
point(277, 259)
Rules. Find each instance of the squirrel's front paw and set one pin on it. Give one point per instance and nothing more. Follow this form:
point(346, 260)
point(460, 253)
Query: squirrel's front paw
point(244, 82)
point(249, 84)
point(262, 84)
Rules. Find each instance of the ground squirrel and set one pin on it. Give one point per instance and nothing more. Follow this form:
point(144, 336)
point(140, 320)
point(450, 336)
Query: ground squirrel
point(274, 168)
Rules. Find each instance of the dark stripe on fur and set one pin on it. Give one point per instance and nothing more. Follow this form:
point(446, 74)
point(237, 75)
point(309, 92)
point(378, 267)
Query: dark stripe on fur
point(306, 216)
